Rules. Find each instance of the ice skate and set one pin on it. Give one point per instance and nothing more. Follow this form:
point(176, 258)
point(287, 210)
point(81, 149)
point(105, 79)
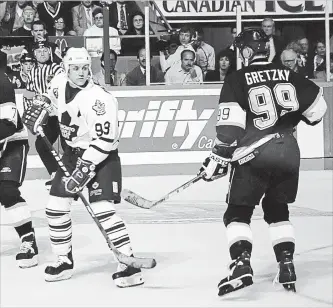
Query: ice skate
point(60, 270)
point(28, 254)
point(286, 274)
point(241, 275)
point(127, 276)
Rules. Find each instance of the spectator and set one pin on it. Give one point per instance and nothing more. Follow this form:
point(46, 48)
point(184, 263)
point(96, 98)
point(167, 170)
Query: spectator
point(36, 3)
point(116, 78)
point(223, 66)
point(51, 10)
point(275, 45)
point(130, 46)
point(95, 45)
point(60, 28)
point(187, 72)
point(205, 53)
point(169, 60)
point(20, 78)
point(232, 48)
point(13, 18)
point(137, 77)
point(3, 31)
point(304, 43)
point(320, 53)
point(82, 16)
point(120, 13)
point(29, 14)
point(39, 34)
point(289, 58)
point(306, 57)
point(320, 73)
point(234, 34)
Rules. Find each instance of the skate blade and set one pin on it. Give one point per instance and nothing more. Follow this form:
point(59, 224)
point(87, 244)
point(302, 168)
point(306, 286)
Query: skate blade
point(236, 284)
point(290, 287)
point(27, 263)
point(126, 282)
point(67, 274)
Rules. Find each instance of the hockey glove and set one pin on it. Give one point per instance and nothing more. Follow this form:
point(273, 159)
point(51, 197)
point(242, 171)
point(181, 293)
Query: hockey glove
point(214, 166)
point(81, 176)
point(35, 116)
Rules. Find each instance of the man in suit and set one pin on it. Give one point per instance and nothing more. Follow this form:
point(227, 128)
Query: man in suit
point(275, 45)
point(82, 16)
point(137, 77)
point(116, 78)
point(120, 13)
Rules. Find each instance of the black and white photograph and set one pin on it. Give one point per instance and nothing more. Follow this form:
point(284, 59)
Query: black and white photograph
point(166, 153)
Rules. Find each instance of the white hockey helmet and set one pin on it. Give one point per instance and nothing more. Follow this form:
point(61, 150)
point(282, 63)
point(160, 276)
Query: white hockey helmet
point(76, 56)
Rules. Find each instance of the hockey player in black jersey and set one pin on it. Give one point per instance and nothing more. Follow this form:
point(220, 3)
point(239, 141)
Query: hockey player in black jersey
point(13, 157)
point(259, 107)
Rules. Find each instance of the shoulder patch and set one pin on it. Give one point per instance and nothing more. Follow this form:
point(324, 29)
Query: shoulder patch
point(99, 107)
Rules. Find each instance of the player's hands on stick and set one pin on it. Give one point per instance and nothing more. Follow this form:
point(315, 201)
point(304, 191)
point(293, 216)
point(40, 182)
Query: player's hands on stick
point(81, 176)
point(214, 166)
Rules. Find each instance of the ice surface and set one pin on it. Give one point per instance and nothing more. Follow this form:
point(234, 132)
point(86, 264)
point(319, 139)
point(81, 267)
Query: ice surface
point(187, 237)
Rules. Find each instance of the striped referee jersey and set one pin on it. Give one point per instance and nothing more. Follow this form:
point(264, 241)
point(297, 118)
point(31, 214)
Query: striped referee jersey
point(40, 76)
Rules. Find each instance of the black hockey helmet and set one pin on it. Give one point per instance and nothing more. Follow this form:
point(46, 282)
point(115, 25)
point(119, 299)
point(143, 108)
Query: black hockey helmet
point(254, 39)
point(27, 57)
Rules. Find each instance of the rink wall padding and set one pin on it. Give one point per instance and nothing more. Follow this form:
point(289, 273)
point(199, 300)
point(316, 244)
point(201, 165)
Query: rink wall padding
point(170, 130)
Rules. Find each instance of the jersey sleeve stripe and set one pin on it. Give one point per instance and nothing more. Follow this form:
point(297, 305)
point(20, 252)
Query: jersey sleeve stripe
point(107, 139)
point(99, 149)
point(317, 109)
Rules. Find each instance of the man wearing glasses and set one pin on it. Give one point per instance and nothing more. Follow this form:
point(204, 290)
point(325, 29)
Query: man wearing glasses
point(95, 45)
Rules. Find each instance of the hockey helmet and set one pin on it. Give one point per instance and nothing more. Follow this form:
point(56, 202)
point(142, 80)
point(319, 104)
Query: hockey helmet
point(76, 56)
point(27, 57)
point(252, 42)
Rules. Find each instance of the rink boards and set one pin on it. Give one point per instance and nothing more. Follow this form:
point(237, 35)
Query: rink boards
point(170, 130)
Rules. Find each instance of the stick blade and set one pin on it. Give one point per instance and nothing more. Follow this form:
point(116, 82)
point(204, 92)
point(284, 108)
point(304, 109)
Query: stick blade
point(135, 199)
point(136, 262)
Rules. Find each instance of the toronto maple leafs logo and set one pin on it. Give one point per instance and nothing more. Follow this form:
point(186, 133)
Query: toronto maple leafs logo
point(55, 92)
point(99, 107)
point(68, 129)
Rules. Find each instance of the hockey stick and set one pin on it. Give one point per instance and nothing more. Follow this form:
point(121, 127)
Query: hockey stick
point(122, 258)
point(139, 201)
point(241, 155)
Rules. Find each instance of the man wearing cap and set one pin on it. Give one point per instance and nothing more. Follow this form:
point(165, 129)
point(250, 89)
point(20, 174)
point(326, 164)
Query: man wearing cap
point(29, 14)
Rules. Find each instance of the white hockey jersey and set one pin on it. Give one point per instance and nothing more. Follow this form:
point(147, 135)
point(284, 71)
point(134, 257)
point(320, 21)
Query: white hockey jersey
point(88, 121)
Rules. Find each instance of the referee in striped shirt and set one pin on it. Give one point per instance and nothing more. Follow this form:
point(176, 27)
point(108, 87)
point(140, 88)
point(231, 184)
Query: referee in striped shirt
point(38, 79)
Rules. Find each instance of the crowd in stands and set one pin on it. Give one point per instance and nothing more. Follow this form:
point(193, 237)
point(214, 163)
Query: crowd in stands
point(184, 58)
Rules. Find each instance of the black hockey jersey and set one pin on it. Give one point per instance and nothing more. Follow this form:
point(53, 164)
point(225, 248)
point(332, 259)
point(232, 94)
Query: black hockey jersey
point(11, 126)
point(262, 99)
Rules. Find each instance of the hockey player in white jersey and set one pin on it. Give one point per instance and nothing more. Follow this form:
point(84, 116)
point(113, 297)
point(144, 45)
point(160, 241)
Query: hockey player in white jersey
point(88, 118)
